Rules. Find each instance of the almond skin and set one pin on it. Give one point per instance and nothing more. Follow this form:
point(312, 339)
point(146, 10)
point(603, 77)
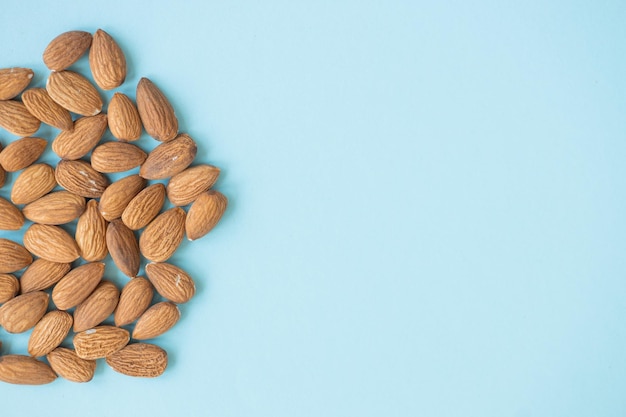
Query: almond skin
point(100, 342)
point(144, 207)
point(25, 370)
point(161, 238)
point(40, 104)
point(117, 157)
point(169, 158)
point(11, 218)
point(49, 332)
point(107, 61)
point(80, 178)
point(66, 49)
point(91, 233)
point(156, 112)
point(13, 256)
point(123, 248)
point(124, 120)
point(3, 174)
point(15, 118)
point(187, 185)
point(74, 92)
point(42, 274)
point(97, 307)
point(117, 196)
point(205, 213)
point(135, 298)
point(77, 284)
point(22, 153)
point(24, 311)
point(157, 320)
point(34, 182)
point(9, 287)
point(171, 282)
point(51, 243)
point(13, 81)
point(59, 207)
point(139, 360)
point(82, 139)
point(66, 363)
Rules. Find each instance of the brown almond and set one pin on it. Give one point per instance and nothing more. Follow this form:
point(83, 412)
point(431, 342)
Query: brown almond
point(13, 81)
point(100, 341)
point(80, 178)
point(42, 274)
point(49, 332)
point(91, 233)
point(169, 158)
point(77, 284)
point(51, 243)
point(82, 139)
point(3, 174)
point(161, 238)
point(117, 196)
point(66, 49)
point(97, 307)
point(34, 182)
point(187, 185)
point(59, 207)
point(171, 282)
point(144, 207)
point(40, 104)
point(74, 92)
point(22, 153)
point(135, 298)
point(117, 157)
point(11, 218)
point(139, 360)
point(9, 287)
point(24, 311)
point(25, 370)
point(205, 213)
point(13, 256)
point(16, 119)
point(156, 112)
point(107, 61)
point(157, 320)
point(124, 120)
point(123, 248)
point(66, 363)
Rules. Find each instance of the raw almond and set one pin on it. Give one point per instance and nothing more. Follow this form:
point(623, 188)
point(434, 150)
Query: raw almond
point(74, 92)
point(171, 282)
point(59, 207)
point(139, 360)
point(123, 248)
point(77, 284)
point(80, 178)
point(91, 233)
point(157, 320)
point(24, 311)
point(124, 120)
point(66, 49)
point(205, 213)
point(16, 119)
point(97, 307)
point(34, 182)
point(117, 157)
point(9, 287)
point(11, 218)
point(169, 158)
point(156, 112)
point(187, 185)
point(100, 341)
point(144, 207)
point(22, 153)
point(42, 274)
point(161, 238)
point(13, 81)
point(107, 61)
point(117, 196)
point(135, 298)
point(66, 363)
point(40, 104)
point(25, 370)
point(3, 174)
point(82, 139)
point(13, 256)
point(51, 243)
point(49, 332)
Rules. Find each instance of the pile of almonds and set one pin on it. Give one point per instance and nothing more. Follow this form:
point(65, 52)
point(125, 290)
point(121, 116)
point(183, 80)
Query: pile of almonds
point(123, 219)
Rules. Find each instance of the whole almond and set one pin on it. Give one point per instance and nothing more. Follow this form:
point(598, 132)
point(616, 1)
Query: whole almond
point(66, 49)
point(16, 119)
point(91, 233)
point(66, 363)
point(34, 182)
point(139, 360)
point(42, 274)
point(117, 157)
point(135, 298)
point(51, 243)
point(123, 248)
point(59, 207)
point(156, 112)
point(187, 185)
point(80, 178)
point(107, 61)
point(161, 238)
point(77, 284)
point(24, 311)
point(82, 139)
point(74, 92)
point(144, 207)
point(9, 287)
point(13, 81)
point(117, 196)
point(11, 218)
point(100, 341)
point(171, 282)
point(40, 104)
point(25, 370)
point(124, 120)
point(157, 320)
point(97, 307)
point(49, 332)
point(169, 158)
point(22, 153)
point(13, 256)
point(205, 213)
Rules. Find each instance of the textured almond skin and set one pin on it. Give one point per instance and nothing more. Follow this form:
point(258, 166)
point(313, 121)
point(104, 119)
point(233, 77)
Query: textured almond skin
point(22, 153)
point(156, 112)
point(16, 119)
point(42, 274)
point(169, 158)
point(74, 92)
point(13, 81)
point(40, 104)
point(25, 370)
point(13, 256)
point(80, 178)
point(3, 174)
point(205, 213)
point(144, 207)
point(139, 360)
point(107, 61)
point(123, 248)
point(59, 207)
point(49, 332)
point(117, 157)
point(117, 196)
point(66, 49)
point(100, 342)
point(34, 182)
point(9, 287)
point(24, 311)
point(135, 298)
point(97, 307)
point(91, 233)
point(161, 238)
point(171, 282)
point(157, 320)
point(11, 218)
point(187, 185)
point(51, 243)
point(82, 139)
point(66, 363)
point(124, 120)
point(77, 284)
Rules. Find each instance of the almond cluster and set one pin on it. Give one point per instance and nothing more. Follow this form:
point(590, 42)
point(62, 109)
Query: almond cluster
point(125, 219)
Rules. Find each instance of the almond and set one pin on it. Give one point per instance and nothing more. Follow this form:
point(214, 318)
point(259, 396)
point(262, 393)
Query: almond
point(144, 207)
point(117, 157)
point(91, 233)
point(82, 139)
point(25, 370)
point(77, 284)
point(156, 112)
point(100, 342)
point(117, 196)
point(169, 158)
point(124, 120)
point(49, 332)
point(107, 61)
point(9, 287)
point(42, 274)
point(135, 298)
point(157, 320)
point(187, 185)
point(51, 243)
point(40, 104)
point(59, 207)
point(34, 182)
point(13, 256)
point(24, 311)
point(13, 81)
point(74, 92)
point(67, 364)
point(3, 174)
point(171, 282)
point(139, 360)
point(16, 119)
point(22, 153)
point(97, 307)
point(205, 213)
point(123, 248)
point(66, 49)
point(161, 238)
point(11, 217)
point(80, 178)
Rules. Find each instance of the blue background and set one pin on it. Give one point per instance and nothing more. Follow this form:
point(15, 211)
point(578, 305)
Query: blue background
point(427, 206)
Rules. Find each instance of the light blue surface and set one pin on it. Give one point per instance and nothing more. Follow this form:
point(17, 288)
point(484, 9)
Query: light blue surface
point(427, 206)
